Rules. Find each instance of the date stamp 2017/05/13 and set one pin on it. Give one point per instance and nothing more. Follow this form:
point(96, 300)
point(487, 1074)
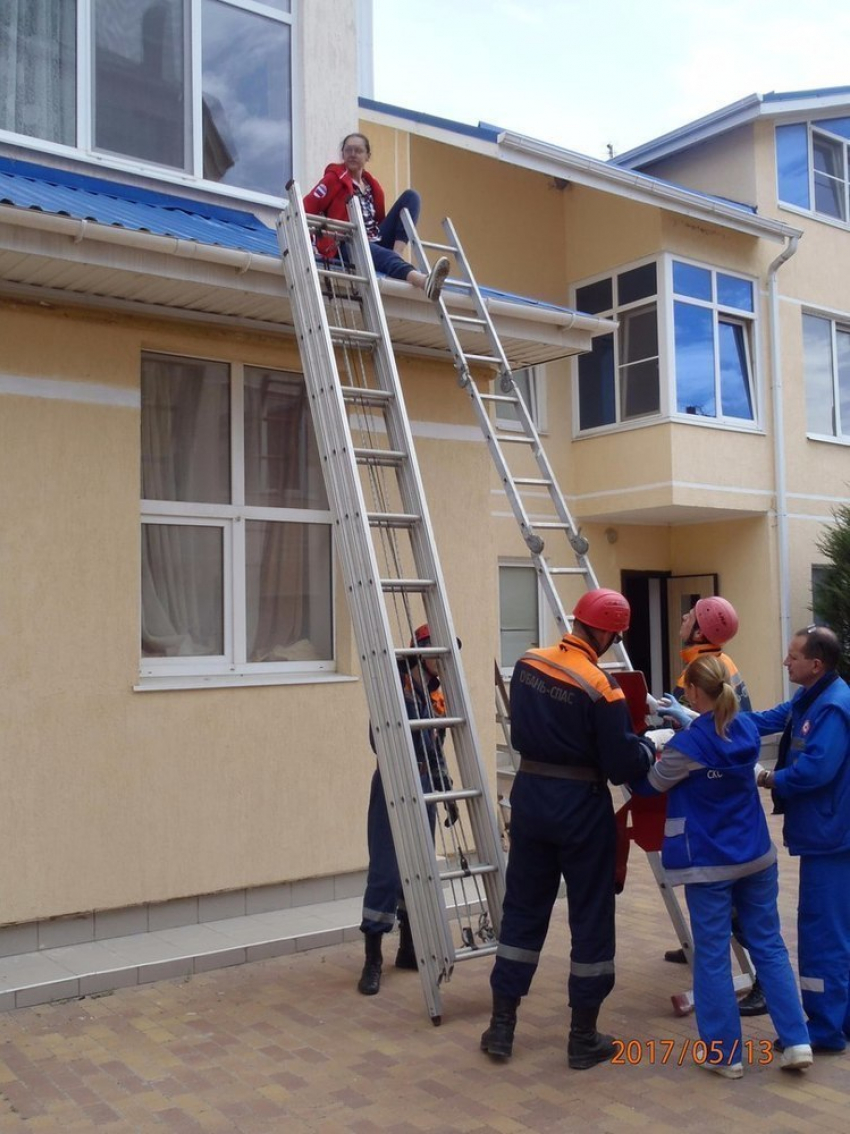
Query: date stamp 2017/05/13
point(629, 1053)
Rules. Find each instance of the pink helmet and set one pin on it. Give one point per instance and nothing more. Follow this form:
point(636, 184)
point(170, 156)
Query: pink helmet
point(604, 610)
point(716, 619)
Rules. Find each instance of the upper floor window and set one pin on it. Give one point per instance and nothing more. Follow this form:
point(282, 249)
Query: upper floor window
point(619, 379)
point(812, 166)
point(708, 370)
point(199, 87)
point(826, 351)
point(236, 531)
point(712, 316)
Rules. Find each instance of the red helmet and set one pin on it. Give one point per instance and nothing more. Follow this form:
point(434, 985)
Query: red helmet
point(604, 610)
point(716, 619)
point(421, 635)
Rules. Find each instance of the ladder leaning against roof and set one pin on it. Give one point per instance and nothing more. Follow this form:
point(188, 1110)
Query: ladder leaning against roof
point(529, 481)
point(394, 582)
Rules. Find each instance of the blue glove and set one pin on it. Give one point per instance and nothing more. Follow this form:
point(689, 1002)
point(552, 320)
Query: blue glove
point(670, 710)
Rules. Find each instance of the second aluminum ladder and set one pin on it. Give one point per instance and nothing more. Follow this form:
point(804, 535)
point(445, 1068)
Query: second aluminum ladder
point(557, 548)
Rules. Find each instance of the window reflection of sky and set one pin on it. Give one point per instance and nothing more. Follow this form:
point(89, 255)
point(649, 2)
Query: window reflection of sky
point(817, 350)
point(246, 69)
point(694, 360)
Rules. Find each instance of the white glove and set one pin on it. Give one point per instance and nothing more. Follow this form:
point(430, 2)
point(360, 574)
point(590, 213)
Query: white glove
point(757, 771)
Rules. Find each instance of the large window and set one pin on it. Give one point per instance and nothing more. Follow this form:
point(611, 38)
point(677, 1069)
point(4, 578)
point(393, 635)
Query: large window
point(712, 319)
point(826, 349)
point(619, 379)
point(707, 372)
point(135, 93)
point(812, 167)
point(236, 533)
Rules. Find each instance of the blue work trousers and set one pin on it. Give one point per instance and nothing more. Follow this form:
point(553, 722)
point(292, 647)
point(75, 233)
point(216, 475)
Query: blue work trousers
point(559, 829)
point(384, 895)
point(384, 257)
point(823, 946)
point(718, 1020)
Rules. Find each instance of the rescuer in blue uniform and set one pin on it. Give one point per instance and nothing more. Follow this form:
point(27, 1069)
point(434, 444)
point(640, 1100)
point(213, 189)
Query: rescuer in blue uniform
point(716, 844)
point(383, 900)
point(811, 787)
point(570, 724)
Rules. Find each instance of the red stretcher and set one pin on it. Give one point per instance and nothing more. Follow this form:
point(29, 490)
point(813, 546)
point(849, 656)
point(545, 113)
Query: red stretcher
point(641, 818)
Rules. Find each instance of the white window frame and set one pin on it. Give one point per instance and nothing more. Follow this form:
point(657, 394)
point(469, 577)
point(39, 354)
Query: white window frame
point(664, 300)
point(83, 150)
point(836, 324)
point(545, 622)
point(614, 313)
point(721, 314)
point(537, 408)
point(232, 666)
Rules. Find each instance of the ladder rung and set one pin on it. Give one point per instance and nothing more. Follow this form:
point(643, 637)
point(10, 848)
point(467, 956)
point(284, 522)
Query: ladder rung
point(552, 525)
point(329, 223)
point(483, 358)
point(439, 247)
point(499, 398)
point(415, 586)
point(387, 457)
point(365, 396)
point(514, 439)
point(467, 320)
point(422, 652)
point(567, 571)
point(468, 954)
point(448, 796)
point(354, 335)
point(473, 870)
point(349, 277)
point(532, 480)
point(438, 722)
point(393, 519)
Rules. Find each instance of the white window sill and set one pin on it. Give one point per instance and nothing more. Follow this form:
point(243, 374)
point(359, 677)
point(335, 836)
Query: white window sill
point(829, 439)
point(238, 680)
point(675, 419)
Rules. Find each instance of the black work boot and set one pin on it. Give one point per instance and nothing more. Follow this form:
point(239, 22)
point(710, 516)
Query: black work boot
point(754, 1003)
point(405, 958)
point(370, 978)
point(587, 1047)
point(499, 1037)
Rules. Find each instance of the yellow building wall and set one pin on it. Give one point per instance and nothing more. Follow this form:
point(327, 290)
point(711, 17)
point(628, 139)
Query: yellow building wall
point(116, 797)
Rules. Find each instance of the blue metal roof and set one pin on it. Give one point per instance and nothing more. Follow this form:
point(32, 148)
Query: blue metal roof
point(57, 191)
point(62, 193)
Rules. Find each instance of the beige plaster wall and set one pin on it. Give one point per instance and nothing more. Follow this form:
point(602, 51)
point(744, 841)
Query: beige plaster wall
point(723, 167)
point(325, 84)
point(116, 797)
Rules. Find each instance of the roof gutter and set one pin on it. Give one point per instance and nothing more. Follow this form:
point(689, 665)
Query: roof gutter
point(779, 451)
point(80, 230)
point(640, 187)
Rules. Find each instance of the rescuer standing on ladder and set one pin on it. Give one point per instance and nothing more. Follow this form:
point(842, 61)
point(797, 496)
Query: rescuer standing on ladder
point(570, 724)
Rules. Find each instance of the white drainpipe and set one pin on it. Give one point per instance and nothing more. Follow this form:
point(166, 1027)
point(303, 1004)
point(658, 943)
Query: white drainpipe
point(779, 452)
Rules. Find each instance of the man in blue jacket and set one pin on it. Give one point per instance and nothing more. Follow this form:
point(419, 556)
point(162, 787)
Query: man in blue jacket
point(811, 787)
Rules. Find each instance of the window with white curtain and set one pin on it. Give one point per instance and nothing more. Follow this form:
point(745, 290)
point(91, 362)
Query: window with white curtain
point(134, 93)
point(236, 533)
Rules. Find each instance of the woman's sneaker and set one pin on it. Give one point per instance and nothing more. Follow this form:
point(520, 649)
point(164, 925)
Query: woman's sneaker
point(726, 1070)
point(796, 1058)
point(436, 278)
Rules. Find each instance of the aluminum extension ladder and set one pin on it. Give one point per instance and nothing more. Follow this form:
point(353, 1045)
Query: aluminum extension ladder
point(532, 488)
point(393, 580)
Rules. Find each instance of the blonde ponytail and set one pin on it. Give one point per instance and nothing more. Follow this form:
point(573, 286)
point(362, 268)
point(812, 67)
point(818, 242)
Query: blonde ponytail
point(708, 673)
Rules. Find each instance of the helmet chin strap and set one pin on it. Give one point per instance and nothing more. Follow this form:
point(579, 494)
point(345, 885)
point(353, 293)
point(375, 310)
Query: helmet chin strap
point(594, 641)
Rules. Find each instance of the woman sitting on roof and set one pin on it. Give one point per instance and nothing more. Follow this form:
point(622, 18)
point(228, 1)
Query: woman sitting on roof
point(387, 237)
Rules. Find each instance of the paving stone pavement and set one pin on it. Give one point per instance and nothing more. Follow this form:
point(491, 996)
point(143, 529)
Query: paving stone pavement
point(288, 1045)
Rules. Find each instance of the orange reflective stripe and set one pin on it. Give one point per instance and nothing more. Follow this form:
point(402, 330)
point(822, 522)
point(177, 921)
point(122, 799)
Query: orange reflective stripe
point(564, 663)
